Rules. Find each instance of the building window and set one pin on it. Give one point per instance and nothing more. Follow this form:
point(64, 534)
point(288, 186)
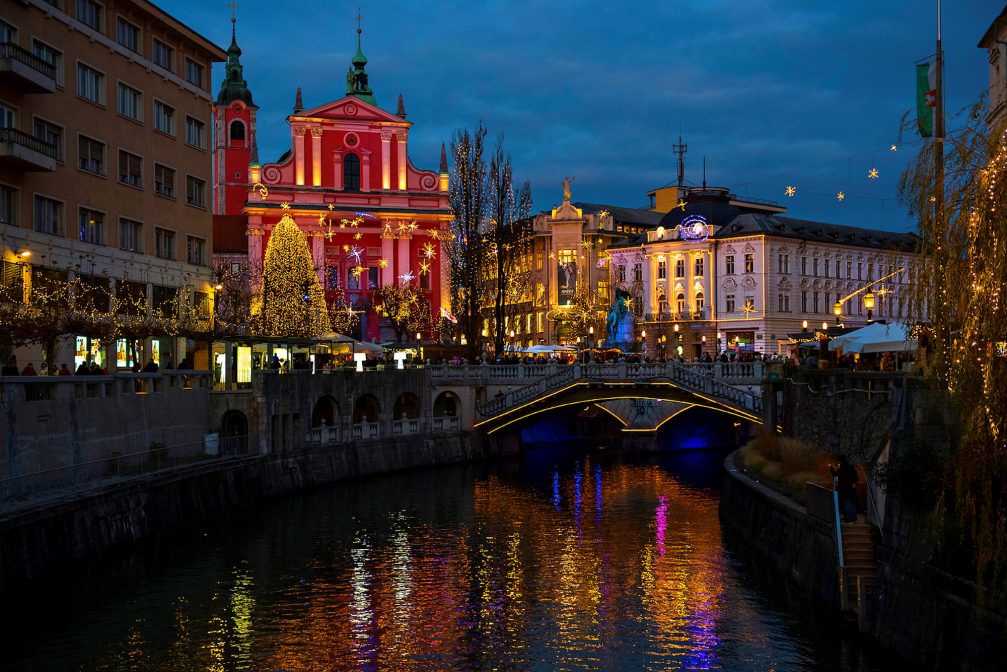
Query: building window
point(849, 270)
point(699, 266)
point(620, 274)
point(90, 155)
point(92, 226)
point(195, 191)
point(8, 33)
point(164, 181)
point(53, 57)
point(8, 205)
point(162, 55)
point(783, 303)
point(837, 268)
point(127, 34)
point(331, 277)
point(700, 303)
point(637, 272)
point(424, 278)
point(48, 216)
point(815, 297)
point(89, 13)
point(804, 265)
point(680, 303)
point(8, 117)
point(662, 304)
point(860, 270)
point(164, 118)
point(749, 263)
point(51, 134)
point(193, 73)
point(164, 243)
point(786, 263)
point(130, 169)
point(804, 302)
point(195, 250)
point(351, 173)
point(237, 133)
point(680, 268)
point(372, 278)
point(90, 84)
point(814, 266)
point(729, 264)
point(729, 305)
point(130, 102)
point(352, 279)
point(194, 133)
point(662, 269)
point(130, 235)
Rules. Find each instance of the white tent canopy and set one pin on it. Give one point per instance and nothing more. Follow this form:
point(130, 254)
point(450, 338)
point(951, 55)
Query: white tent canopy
point(547, 349)
point(876, 337)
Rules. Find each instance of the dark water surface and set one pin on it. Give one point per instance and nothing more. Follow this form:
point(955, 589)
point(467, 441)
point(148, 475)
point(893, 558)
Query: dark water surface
point(558, 561)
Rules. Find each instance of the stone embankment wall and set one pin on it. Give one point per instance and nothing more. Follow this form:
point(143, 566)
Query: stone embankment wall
point(781, 536)
point(59, 536)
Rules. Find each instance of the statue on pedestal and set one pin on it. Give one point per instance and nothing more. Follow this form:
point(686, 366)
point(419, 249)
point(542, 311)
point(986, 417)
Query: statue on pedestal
point(619, 323)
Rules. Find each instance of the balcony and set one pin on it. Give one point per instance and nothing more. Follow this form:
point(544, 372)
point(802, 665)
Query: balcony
point(22, 70)
point(25, 152)
point(685, 316)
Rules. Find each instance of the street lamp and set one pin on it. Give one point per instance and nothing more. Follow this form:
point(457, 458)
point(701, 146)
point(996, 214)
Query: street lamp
point(869, 304)
point(24, 254)
point(837, 310)
point(804, 325)
point(643, 341)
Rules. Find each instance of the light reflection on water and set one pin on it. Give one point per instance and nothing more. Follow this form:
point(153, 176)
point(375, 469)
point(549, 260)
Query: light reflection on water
point(582, 566)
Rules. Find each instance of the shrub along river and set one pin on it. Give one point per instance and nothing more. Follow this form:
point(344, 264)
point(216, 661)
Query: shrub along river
point(556, 561)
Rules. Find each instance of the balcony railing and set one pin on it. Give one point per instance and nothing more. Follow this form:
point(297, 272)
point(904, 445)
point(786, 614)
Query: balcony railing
point(25, 151)
point(25, 70)
point(684, 316)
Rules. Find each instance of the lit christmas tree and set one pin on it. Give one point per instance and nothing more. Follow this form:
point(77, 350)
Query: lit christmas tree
point(291, 302)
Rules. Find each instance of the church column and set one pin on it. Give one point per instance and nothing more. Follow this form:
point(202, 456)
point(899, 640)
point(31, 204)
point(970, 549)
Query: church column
point(386, 160)
point(401, 137)
point(316, 156)
point(402, 260)
point(299, 155)
point(365, 170)
point(318, 256)
point(255, 257)
point(387, 252)
point(337, 169)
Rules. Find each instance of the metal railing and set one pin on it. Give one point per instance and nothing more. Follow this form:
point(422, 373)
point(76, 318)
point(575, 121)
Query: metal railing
point(17, 53)
point(34, 488)
point(682, 316)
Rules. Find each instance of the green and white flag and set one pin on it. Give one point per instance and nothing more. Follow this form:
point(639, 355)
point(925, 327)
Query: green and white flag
point(926, 97)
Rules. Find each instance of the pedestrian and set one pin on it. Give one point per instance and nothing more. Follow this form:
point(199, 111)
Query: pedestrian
point(94, 369)
point(29, 370)
point(44, 369)
point(151, 366)
point(10, 368)
point(63, 370)
point(845, 475)
point(82, 369)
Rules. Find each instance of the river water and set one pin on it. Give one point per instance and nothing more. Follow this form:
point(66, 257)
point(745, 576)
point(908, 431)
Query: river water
point(558, 561)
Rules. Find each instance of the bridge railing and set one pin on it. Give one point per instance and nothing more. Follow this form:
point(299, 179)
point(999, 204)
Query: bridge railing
point(699, 377)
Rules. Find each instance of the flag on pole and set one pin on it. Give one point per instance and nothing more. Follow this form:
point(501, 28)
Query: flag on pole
point(448, 316)
point(926, 97)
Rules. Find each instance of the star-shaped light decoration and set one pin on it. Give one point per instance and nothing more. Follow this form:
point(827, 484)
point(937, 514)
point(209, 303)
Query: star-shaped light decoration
point(872, 173)
point(342, 224)
point(435, 234)
point(383, 262)
point(883, 291)
point(413, 226)
point(586, 244)
point(354, 252)
point(681, 204)
point(357, 271)
point(790, 190)
point(346, 248)
point(424, 267)
point(429, 251)
point(331, 207)
point(748, 309)
point(840, 196)
point(892, 148)
point(552, 255)
point(407, 277)
point(285, 206)
point(357, 235)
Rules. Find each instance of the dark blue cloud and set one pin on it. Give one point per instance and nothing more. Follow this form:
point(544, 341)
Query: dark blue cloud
point(770, 92)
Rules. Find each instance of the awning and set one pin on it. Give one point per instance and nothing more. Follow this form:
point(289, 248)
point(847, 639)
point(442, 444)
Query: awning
point(876, 337)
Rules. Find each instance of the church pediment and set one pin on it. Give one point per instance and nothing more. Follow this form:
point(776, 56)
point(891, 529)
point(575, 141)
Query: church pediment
point(352, 108)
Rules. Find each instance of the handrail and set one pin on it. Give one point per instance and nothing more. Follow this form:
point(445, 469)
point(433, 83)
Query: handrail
point(19, 137)
point(839, 527)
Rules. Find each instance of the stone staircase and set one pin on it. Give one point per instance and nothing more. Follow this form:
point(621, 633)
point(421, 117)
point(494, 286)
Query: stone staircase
point(858, 573)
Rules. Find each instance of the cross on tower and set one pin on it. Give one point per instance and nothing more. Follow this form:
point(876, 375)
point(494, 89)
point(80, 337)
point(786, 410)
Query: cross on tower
point(358, 21)
point(234, 6)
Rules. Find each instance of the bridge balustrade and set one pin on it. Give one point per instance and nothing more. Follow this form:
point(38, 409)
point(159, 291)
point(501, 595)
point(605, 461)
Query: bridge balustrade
point(322, 436)
point(446, 423)
point(365, 430)
point(406, 426)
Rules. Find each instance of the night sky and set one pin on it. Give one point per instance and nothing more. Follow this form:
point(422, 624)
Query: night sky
point(772, 93)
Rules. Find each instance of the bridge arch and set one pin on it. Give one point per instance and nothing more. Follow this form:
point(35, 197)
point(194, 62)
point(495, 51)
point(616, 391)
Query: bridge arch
point(233, 432)
point(325, 412)
point(407, 407)
point(366, 409)
point(447, 404)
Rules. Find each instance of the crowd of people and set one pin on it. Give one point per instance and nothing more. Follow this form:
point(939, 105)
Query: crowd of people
point(87, 367)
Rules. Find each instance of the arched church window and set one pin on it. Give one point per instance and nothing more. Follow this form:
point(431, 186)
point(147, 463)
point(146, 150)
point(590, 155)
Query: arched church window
point(237, 133)
point(351, 173)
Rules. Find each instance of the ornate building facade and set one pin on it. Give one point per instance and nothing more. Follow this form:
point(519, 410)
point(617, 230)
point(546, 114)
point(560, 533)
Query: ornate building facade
point(721, 272)
point(372, 218)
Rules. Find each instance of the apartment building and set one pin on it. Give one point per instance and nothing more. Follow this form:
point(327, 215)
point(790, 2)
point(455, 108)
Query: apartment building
point(105, 151)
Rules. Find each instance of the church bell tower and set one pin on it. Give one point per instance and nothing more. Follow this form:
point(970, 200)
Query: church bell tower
point(234, 144)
